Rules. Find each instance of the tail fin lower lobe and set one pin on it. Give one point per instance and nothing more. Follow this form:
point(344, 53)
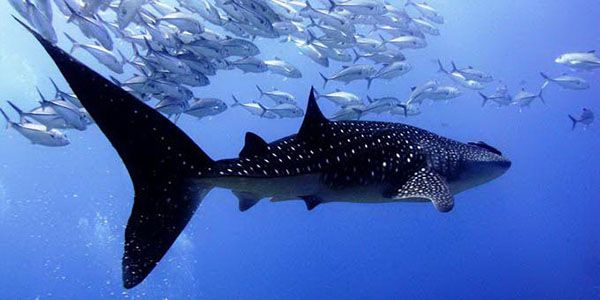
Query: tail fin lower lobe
point(162, 162)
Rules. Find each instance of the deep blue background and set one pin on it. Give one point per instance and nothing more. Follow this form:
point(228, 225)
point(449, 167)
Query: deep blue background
point(533, 233)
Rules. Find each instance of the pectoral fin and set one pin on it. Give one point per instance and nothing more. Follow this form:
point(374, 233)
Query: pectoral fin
point(426, 184)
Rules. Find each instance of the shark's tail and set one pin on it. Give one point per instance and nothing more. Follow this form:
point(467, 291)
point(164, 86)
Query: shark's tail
point(162, 161)
point(573, 121)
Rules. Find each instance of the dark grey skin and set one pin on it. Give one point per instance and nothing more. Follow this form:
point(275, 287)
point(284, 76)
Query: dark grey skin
point(353, 161)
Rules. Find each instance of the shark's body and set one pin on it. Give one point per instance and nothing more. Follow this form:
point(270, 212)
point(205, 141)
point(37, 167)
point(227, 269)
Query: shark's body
point(353, 161)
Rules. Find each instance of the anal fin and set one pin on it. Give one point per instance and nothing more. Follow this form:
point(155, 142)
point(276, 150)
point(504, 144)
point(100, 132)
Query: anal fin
point(311, 201)
point(246, 200)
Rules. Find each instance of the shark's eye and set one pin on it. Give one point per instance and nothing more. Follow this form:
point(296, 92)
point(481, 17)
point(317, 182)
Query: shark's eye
point(485, 146)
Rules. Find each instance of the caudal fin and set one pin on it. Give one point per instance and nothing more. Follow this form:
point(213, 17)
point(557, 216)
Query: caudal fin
point(325, 79)
point(262, 93)
point(8, 121)
point(485, 99)
point(441, 67)
point(574, 122)
point(162, 162)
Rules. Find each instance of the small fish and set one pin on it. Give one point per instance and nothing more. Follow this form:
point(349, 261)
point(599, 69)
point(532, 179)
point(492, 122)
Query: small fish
point(37, 133)
point(69, 112)
point(406, 109)
point(255, 108)
point(103, 55)
point(350, 112)
point(524, 98)
point(59, 94)
point(250, 65)
point(183, 21)
point(420, 93)
point(91, 28)
point(566, 81)
point(425, 26)
point(381, 105)
point(457, 77)
point(501, 97)
point(407, 42)
point(340, 98)
point(359, 7)
point(205, 107)
point(444, 93)
point(279, 97)
point(283, 68)
point(426, 11)
point(171, 106)
point(471, 73)
point(586, 118)
point(127, 11)
point(40, 21)
point(287, 110)
point(580, 60)
point(351, 73)
point(43, 115)
point(391, 71)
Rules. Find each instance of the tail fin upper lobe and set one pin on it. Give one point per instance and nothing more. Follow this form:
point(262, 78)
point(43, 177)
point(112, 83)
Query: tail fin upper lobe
point(162, 162)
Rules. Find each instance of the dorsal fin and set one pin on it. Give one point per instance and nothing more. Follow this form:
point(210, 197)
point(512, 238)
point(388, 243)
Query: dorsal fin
point(313, 117)
point(413, 88)
point(253, 145)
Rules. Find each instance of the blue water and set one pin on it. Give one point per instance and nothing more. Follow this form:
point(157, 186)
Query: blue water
point(534, 233)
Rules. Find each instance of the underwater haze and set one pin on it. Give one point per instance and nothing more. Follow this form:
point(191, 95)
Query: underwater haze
point(533, 233)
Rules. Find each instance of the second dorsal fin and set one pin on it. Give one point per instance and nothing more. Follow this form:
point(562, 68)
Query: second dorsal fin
point(313, 119)
point(253, 145)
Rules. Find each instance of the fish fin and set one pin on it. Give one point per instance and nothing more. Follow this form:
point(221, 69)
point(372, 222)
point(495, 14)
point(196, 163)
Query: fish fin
point(311, 201)
point(405, 108)
point(441, 67)
point(262, 93)
point(357, 56)
point(485, 99)
point(541, 96)
point(16, 108)
point(313, 118)
point(236, 102)
point(325, 79)
point(253, 145)
point(8, 121)
point(413, 88)
point(246, 200)
point(73, 41)
point(454, 68)
point(369, 81)
point(369, 99)
point(574, 122)
point(162, 162)
point(592, 51)
point(426, 184)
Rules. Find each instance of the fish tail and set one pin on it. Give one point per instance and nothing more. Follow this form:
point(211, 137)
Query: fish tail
point(15, 107)
point(73, 41)
point(454, 68)
point(441, 67)
point(357, 56)
point(573, 122)
point(163, 162)
point(56, 89)
point(541, 96)
point(405, 108)
point(485, 99)
point(236, 102)
point(325, 79)
point(546, 80)
point(8, 122)
point(332, 5)
point(369, 81)
point(369, 99)
point(262, 93)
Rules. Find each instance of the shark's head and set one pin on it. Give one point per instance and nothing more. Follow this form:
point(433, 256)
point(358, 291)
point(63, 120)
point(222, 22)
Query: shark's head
point(467, 165)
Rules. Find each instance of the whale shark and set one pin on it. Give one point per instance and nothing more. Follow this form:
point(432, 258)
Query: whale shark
point(325, 161)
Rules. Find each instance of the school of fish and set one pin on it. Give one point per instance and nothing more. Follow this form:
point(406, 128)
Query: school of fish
point(174, 48)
